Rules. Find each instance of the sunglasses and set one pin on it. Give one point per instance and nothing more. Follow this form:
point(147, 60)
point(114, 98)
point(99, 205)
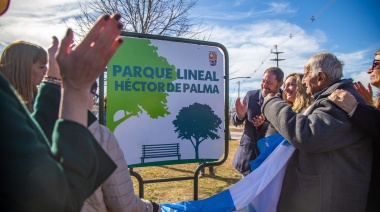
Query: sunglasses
point(376, 63)
point(96, 96)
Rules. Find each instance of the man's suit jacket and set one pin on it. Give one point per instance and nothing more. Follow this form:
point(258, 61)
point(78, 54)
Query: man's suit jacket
point(247, 149)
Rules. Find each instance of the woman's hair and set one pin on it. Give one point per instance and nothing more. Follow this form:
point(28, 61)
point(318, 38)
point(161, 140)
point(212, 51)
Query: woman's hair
point(376, 102)
point(303, 100)
point(16, 64)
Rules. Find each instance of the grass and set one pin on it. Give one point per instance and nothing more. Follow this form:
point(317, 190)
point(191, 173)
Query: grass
point(176, 191)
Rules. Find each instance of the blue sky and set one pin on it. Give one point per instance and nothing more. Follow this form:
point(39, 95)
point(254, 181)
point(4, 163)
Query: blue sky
point(249, 29)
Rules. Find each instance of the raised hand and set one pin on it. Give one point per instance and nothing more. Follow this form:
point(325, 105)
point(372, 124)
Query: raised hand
point(367, 94)
point(240, 108)
point(82, 64)
point(53, 70)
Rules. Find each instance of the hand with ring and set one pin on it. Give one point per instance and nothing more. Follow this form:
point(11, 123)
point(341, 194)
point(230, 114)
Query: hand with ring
point(343, 99)
point(258, 120)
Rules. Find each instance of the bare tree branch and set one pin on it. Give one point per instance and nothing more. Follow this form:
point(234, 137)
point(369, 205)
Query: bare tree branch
point(158, 17)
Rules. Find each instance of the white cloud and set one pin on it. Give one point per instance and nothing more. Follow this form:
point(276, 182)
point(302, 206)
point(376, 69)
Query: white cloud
point(356, 65)
point(36, 21)
point(249, 43)
point(217, 11)
point(279, 8)
point(238, 2)
point(249, 47)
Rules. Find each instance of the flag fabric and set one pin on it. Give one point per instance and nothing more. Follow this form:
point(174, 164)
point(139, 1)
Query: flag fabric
point(266, 146)
point(260, 189)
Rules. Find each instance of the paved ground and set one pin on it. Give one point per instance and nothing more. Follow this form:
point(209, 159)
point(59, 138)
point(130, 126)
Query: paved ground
point(234, 134)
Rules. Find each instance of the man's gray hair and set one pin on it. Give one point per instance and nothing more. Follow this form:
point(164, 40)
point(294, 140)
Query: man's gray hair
point(327, 63)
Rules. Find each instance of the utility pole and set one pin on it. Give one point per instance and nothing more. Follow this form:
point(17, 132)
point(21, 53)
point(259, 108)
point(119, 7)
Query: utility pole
point(239, 83)
point(277, 53)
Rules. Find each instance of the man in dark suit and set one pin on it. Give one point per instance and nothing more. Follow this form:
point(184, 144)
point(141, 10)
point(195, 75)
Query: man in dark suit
point(255, 125)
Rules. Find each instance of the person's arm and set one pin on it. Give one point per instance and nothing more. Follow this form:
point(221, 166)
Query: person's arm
point(236, 120)
point(368, 119)
point(46, 107)
point(46, 104)
point(36, 178)
point(118, 190)
point(238, 117)
point(312, 132)
point(79, 70)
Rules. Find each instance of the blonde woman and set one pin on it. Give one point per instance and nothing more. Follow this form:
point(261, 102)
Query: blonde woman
point(294, 94)
point(24, 64)
point(374, 72)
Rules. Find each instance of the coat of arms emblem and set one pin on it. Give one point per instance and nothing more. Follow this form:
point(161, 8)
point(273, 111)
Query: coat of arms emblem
point(212, 57)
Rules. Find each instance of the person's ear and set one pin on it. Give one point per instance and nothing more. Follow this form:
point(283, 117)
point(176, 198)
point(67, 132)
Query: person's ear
point(322, 78)
point(280, 84)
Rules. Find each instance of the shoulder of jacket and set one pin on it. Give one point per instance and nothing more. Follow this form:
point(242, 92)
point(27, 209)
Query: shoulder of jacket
point(253, 94)
point(94, 128)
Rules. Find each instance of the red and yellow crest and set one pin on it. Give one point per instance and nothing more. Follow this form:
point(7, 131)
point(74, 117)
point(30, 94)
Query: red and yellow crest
point(4, 5)
point(212, 58)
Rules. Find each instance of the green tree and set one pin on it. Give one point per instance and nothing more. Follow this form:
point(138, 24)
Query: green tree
point(197, 123)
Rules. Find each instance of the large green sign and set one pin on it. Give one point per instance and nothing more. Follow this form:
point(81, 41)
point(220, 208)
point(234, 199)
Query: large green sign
point(166, 101)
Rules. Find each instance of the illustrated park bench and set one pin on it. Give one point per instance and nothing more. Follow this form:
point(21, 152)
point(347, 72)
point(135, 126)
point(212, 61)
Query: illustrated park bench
point(160, 151)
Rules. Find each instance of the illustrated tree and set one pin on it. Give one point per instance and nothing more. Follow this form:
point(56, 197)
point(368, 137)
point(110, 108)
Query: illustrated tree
point(197, 123)
point(157, 17)
point(166, 18)
point(154, 103)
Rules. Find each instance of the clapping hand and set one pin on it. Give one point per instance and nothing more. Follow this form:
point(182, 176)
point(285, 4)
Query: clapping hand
point(82, 64)
point(367, 94)
point(240, 108)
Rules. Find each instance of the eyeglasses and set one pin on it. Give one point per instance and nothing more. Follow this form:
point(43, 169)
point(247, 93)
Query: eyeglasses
point(376, 63)
point(96, 96)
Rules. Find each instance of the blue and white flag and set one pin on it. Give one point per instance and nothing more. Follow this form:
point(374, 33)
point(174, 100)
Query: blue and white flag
point(260, 189)
point(266, 146)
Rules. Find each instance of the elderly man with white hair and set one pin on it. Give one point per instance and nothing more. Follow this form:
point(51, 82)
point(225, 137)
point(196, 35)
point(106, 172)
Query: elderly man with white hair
point(330, 169)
